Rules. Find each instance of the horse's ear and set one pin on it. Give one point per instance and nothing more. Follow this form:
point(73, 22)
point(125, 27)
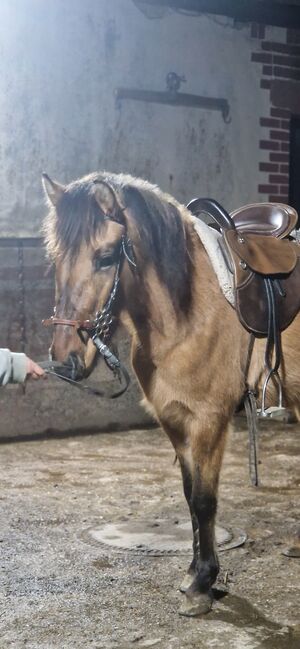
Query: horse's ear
point(106, 198)
point(53, 190)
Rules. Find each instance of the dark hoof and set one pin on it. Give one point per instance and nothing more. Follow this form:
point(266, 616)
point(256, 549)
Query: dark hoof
point(197, 604)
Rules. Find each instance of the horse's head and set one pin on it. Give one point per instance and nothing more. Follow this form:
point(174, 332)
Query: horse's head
point(88, 232)
point(84, 232)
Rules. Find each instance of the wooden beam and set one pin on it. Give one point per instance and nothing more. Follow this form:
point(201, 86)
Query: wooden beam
point(264, 12)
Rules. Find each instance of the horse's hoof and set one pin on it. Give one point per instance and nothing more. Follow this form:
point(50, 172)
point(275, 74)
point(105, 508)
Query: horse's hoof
point(186, 582)
point(198, 604)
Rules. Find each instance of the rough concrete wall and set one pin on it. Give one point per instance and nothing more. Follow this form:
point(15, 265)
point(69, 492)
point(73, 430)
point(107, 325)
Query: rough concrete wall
point(60, 64)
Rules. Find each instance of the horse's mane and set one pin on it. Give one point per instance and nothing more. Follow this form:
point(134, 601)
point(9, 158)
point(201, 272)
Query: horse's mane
point(159, 220)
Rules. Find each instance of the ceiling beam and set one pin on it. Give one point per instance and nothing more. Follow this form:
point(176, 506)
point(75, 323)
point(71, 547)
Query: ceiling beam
point(264, 12)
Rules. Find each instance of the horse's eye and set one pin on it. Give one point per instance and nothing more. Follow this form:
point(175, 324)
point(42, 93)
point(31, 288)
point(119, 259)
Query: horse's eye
point(104, 262)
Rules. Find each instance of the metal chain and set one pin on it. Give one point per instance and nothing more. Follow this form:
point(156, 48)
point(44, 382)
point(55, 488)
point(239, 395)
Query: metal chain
point(22, 315)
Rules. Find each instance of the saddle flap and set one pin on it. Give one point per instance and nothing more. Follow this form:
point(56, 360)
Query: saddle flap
point(262, 254)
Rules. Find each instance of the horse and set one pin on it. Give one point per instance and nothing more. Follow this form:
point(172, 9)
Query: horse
point(189, 351)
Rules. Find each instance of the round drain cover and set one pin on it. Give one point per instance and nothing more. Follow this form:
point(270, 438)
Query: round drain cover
point(159, 536)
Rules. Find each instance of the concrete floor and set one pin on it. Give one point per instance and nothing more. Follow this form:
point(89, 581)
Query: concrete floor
point(62, 589)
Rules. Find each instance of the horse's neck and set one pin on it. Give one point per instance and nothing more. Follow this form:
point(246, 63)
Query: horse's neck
point(150, 315)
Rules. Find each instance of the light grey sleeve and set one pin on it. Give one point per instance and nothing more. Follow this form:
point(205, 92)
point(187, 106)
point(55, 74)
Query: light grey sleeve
point(13, 367)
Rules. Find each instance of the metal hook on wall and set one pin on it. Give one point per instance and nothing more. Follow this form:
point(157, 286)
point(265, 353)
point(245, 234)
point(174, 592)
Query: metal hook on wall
point(173, 97)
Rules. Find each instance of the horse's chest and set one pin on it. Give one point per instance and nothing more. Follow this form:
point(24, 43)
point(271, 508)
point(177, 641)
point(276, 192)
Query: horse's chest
point(168, 387)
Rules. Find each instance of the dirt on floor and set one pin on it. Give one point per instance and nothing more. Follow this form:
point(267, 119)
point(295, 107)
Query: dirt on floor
point(63, 589)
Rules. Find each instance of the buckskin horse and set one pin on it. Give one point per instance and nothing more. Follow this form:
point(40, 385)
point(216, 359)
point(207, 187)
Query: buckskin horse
point(117, 238)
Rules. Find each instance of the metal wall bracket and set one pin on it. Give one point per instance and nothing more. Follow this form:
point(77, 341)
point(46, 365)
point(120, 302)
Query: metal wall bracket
point(173, 97)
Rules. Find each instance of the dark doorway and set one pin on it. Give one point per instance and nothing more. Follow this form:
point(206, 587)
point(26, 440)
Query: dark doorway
point(294, 189)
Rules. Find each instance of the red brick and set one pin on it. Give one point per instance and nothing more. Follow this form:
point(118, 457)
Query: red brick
point(285, 123)
point(287, 61)
point(293, 36)
point(282, 48)
point(268, 189)
point(278, 178)
point(284, 169)
point(261, 57)
point(285, 146)
point(279, 157)
point(284, 189)
point(271, 167)
point(280, 112)
point(285, 94)
point(269, 122)
point(286, 73)
point(269, 146)
point(280, 135)
point(267, 70)
point(265, 84)
point(279, 199)
point(261, 31)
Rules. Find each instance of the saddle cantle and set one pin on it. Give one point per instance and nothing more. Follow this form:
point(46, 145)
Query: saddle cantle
point(256, 246)
point(274, 219)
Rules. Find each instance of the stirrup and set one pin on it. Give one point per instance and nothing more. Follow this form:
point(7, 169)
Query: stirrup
point(279, 412)
point(282, 414)
point(265, 412)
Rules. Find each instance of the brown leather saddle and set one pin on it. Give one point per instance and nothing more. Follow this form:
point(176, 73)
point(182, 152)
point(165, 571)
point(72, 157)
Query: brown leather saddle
point(263, 258)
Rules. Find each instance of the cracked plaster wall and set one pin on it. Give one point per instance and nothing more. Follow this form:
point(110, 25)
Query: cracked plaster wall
point(60, 64)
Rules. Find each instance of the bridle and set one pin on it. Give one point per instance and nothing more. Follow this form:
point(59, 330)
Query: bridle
point(99, 330)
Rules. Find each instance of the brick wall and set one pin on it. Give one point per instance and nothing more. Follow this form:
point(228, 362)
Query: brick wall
point(280, 62)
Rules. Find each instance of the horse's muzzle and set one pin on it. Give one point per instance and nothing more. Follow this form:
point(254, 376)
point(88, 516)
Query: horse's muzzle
point(73, 368)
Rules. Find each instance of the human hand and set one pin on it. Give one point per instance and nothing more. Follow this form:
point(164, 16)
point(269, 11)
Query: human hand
point(33, 369)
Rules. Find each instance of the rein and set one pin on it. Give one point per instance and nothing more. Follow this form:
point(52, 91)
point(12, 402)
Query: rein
point(99, 331)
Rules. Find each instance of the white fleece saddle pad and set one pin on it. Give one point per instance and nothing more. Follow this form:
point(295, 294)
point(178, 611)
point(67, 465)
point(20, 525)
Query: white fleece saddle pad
point(210, 239)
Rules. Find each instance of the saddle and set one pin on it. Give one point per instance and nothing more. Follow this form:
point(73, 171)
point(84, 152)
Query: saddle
point(264, 259)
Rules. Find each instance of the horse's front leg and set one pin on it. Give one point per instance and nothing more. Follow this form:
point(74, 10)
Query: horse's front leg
point(199, 449)
point(207, 446)
point(187, 481)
